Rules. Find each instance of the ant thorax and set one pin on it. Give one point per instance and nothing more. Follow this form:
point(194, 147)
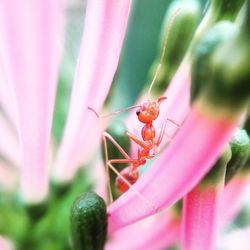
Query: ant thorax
point(148, 132)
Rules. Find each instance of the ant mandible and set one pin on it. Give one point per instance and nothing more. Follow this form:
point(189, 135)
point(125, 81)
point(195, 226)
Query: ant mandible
point(147, 113)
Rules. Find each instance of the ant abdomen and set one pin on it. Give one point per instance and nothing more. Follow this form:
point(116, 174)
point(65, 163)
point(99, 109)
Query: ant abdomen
point(131, 175)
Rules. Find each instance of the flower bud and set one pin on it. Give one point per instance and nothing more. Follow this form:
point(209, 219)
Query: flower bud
point(225, 74)
point(226, 9)
point(202, 54)
point(240, 146)
point(88, 222)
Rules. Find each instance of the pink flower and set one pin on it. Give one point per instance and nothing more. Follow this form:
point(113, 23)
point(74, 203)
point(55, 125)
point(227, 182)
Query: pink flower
point(204, 103)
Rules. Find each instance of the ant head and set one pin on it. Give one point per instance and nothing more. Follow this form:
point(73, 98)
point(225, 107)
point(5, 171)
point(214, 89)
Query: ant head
point(149, 111)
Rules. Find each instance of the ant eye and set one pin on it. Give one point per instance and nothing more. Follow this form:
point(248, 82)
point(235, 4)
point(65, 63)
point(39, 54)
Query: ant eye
point(138, 112)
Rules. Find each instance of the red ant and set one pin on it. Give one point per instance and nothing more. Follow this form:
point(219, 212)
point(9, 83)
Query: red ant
point(147, 113)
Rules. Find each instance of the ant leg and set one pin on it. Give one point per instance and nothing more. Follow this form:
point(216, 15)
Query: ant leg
point(161, 133)
point(170, 138)
point(159, 139)
point(107, 169)
point(163, 129)
point(126, 156)
point(130, 186)
point(107, 161)
point(128, 159)
point(174, 122)
point(143, 144)
point(111, 139)
point(138, 141)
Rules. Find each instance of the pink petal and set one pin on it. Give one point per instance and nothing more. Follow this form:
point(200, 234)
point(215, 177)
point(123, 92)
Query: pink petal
point(236, 239)
point(6, 98)
point(6, 244)
point(98, 175)
point(178, 169)
point(8, 177)
point(104, 31)
point(9, 146)
point(159, 232)
point(177, 104)
point(200, 217)
point(233, 197)
point(30, 36)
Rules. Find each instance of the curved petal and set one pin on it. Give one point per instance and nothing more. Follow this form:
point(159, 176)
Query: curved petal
point(104, 31)
point(178, 169)
point(235, 239)
point(8, 177)
point(30, 51)
point(6, 98)
point(177, 105)
point(159, 232)
point(200, 217)
point(6, 244)
point(100, 180)
point(233, 197)
point(9, 146)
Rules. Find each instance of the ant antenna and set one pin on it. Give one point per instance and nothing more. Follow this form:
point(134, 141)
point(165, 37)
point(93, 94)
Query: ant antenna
point(115, 112)
point(170, 23)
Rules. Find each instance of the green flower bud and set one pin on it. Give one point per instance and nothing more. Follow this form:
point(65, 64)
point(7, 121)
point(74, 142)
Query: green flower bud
point(202, 54)
point(219, 10)
point(88, 222)
point(240, 146)
point(231, 75)
point(226, 9)
point(227, 75)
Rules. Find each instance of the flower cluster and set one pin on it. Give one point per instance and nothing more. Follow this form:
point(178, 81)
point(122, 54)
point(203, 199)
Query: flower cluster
point(194, 183)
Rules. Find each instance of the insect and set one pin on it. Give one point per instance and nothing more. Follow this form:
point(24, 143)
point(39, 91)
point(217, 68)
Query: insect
point(150, 139)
